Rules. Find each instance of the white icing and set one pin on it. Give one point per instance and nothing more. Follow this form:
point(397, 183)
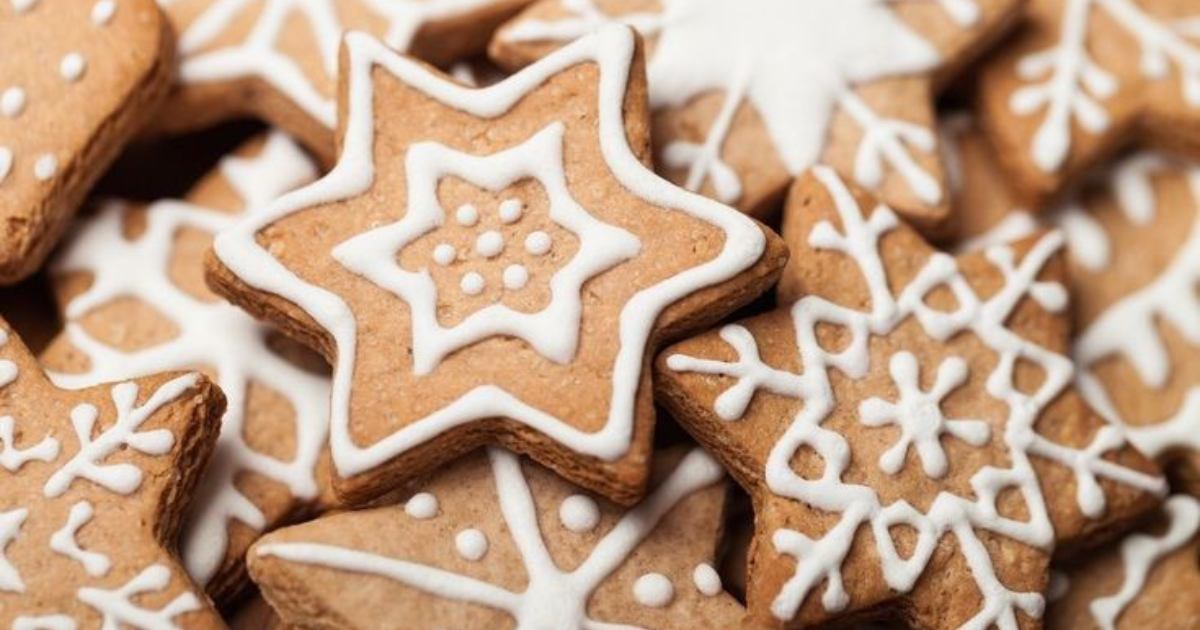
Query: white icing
point(63, 541)
point(117, 606)
point(72, 66)
point(44, 622)
point(538, 243)
point(203, 61)
point(472, 283)
point(103, 11)
point(45, 167)
point(21, 6)
point(12, 102)
point(819, 560)
point(579, 513)
point(471, 544)
point(444, 254)
point(515, 277)
point(10, 528)
point(467, 215)
point(12, 458)
point(1075, 86)
point(211, 334)
point(121, 478)
point(612, 50)
point(510, 210)
point(795, 62)
point(1140, 552)
point(653, 590)
point(706, 579)
point(552, 598)
point(6, 160)
point(421, 505)
point(489, 244)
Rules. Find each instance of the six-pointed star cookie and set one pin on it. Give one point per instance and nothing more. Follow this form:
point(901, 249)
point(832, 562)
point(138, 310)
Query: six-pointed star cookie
point(749, 94)
point(494, 266)
point(1144, 581)
point(494, 540)
point(92, 489)
point(906, 428)
point(1083, 77)
point(76, 79)
point(131, 284)
point(277, 59)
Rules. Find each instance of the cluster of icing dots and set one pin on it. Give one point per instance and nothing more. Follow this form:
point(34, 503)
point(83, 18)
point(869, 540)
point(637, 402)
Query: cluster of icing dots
point(14, 100)
point(489, 244)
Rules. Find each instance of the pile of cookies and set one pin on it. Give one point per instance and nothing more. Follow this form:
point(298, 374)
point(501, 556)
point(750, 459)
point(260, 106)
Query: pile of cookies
point(558, 314)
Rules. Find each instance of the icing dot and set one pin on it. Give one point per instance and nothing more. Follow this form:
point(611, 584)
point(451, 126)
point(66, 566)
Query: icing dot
point(537, 243)
point(5, 162)
point(45, 167)
point(510, 210)
point(706, 579)
point(12, 102)
point(515, 277)
point(653, 590)
point(466, 215)
point(72, 66)
point(421, 505)
point(102, 12)
point(21, 6)
point(472, 283)
point(489, 244)
point(471, 544)
point(579, 513)
point(444, 254)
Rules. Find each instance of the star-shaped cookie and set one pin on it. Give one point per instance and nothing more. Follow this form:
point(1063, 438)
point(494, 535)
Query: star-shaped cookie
point(749, 94)
point(78, 79)
point(1144, 581)
point(1081, 79)
point(493, 265)
point(905, 425)
point(130, 281)
point(495, 539)
point(93, 487)
point(1133, 244)
point(277, 59)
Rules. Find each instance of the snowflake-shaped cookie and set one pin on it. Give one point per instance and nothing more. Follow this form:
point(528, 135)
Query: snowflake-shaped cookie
point(90, 496)
point(841, 499)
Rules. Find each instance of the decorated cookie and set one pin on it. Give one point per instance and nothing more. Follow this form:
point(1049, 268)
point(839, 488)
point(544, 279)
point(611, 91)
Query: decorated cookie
point(1084, 77)
point(749, 94)
point(1147, 580)
point(906, 429)
point(132, 288)
point(493, 265)
point(94, 484)
point(495, 540)
point(1133, 239)
point(77, 80)
point(277, 59)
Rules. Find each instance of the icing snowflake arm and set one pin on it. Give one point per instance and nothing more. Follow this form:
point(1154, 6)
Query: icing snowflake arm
point(118, 609)
point(887, 140)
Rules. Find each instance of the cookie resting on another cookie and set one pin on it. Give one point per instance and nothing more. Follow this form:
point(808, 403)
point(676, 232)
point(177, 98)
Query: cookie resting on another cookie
point(502, 253)
point(93, 487)
point(905, 426)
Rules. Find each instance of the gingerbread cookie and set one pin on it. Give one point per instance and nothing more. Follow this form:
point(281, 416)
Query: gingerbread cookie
point(1147, 580)
point(906, 428)
point(503, 251)
point(747, 95)
point(131, 284)
point(277, 59)
point(493, 540)
point(94, 486)
point(77, 78)
point(1133, 239)
point(1085, 76)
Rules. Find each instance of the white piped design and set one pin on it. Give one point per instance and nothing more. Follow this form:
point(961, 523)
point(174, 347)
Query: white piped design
point(117, 608)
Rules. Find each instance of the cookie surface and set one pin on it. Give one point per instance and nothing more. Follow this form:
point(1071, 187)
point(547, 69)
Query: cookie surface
point(905, 425)
point(505, 252)
point(130, 281)
point(749, 94)
point(94, 486)
point(495, 542)
point(1081, 79)
point(277, 59)
point(77, 79)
